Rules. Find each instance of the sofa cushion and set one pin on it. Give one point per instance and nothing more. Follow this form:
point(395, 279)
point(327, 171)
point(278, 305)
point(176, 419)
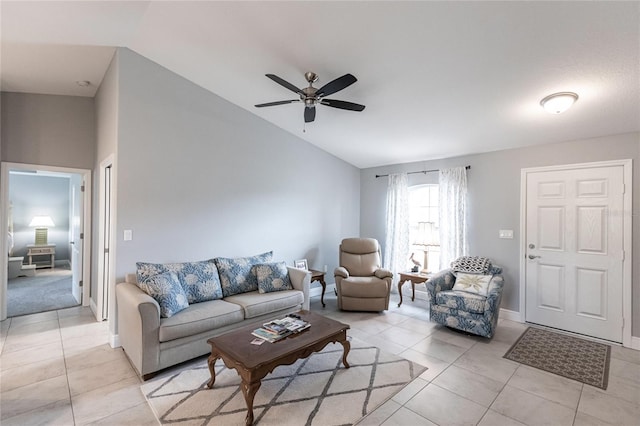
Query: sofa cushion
point(199, 280)
point(235, 274)
point(272, 277)
point(462, 301)
point(167, 291)
point(473, 283)
point(256, 304)
point(199, 318)
point(364, 287)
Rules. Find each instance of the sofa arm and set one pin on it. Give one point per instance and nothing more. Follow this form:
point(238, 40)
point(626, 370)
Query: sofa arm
point(440, 281)
point(139, 327)
point(383, 273)
point(494, 296)
point(341, 272)
point(301, 280)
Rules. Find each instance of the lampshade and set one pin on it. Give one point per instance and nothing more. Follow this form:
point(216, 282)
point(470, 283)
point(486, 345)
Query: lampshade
point(427, 235)
point(42, 222)
point(558, 103)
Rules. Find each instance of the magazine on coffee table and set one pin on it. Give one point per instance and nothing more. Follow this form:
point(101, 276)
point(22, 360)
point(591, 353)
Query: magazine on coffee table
point(278, 329)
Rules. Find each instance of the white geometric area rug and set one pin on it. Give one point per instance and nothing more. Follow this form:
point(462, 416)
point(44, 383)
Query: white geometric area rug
point(317, 390)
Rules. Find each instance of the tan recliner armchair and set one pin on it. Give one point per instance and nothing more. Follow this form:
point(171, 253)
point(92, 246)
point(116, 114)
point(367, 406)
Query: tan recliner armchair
point(361, 282)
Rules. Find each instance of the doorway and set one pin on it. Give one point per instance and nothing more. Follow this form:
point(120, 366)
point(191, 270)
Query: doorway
point(576, 252)
point(45, 253)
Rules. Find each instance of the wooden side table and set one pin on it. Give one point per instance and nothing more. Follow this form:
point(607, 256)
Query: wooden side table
point(415, 278)
point(319, 276)
point(42, 250)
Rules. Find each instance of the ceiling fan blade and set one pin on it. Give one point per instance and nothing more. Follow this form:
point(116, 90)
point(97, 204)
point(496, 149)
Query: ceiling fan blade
point(342, 104)
point(336, 85)
point(309, 114)
point(284, 83)
point(277, 103)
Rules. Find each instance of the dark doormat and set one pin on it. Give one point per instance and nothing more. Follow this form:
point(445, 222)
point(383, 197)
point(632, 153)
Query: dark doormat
point(567, 356)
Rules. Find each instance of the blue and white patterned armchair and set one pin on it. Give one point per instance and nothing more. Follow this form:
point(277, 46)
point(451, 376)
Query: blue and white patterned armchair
point(465, 311)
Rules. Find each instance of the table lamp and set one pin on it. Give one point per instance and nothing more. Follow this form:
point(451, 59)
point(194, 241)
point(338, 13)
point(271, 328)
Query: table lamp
point(41, 223)
point(427, 237)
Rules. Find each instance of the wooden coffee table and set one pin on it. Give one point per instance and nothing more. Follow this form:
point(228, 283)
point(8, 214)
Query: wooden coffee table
point(254, 362)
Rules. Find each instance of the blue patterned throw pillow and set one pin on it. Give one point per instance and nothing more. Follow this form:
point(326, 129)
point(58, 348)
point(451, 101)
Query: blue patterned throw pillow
point(199, 280)
point(235, 274)
point(272, 277)
point(167, 291)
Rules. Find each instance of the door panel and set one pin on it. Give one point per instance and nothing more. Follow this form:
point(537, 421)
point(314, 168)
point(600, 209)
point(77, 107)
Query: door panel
point(591, 295)
point(592, 230)
point(551, 229)
point(551, 294)
point(574, 260)
point(76, 240)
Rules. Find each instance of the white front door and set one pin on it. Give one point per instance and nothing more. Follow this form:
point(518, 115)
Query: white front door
point(76, 237)
point(574, 250)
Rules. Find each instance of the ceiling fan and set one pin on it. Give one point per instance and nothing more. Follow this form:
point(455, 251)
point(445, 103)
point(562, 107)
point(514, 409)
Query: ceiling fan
point(312, 96)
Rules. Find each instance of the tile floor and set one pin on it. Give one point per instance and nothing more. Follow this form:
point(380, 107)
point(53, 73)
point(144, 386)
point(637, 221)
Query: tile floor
point(56, 368)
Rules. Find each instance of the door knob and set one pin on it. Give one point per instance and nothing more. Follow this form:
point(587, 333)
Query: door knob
point(533, 257)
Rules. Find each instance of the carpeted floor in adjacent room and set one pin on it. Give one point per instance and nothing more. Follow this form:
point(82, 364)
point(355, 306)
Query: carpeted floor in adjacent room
point(50, 289)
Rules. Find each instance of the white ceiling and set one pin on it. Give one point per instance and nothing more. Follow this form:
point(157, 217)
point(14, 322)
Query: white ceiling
point(439, 79)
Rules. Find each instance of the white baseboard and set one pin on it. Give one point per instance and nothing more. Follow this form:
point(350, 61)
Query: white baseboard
point(635, 343)
point(510, 315)
point(114, 340)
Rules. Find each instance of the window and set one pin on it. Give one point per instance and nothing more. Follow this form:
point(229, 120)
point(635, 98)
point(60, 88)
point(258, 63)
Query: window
point(424, 226)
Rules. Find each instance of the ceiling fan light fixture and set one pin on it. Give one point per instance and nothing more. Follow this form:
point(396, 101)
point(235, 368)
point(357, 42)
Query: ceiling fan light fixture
point(557, 103)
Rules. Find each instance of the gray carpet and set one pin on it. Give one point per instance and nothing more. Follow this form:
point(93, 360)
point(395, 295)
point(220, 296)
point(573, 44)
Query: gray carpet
point(46, 291)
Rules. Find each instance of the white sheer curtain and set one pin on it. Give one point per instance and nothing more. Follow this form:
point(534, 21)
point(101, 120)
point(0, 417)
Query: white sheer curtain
point(396, 250)
point(453, 227)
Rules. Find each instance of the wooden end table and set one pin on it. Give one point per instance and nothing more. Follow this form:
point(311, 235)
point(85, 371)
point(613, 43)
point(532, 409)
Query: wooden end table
point(254, 362)
point(319, 276)
point(42, 250)
point(415, 278)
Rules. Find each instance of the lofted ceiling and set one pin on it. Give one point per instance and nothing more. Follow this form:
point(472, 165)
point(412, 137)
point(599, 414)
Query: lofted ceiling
point(439, 79)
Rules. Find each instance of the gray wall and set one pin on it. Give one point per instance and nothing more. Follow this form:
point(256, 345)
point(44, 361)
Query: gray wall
point(40, 196)
point(199, 177)
point(48, 130)
point(494, 199)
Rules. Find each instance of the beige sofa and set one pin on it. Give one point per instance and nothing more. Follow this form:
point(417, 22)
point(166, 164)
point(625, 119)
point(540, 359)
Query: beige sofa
point(153, 343)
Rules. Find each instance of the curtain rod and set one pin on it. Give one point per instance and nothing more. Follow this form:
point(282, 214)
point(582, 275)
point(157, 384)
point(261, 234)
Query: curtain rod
point(422, 171)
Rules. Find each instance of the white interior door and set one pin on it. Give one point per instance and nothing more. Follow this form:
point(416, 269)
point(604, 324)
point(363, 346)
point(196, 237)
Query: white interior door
point(76, 237)
point(575, 251)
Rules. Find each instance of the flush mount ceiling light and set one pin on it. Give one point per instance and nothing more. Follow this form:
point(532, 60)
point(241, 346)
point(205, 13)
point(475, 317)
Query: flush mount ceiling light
point(558, 103)
point(83, 83)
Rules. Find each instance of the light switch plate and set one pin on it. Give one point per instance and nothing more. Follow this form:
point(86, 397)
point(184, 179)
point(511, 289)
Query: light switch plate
point(506, 233)
point(128, 235)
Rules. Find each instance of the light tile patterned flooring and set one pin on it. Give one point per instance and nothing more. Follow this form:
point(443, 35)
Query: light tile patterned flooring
point(56, 368)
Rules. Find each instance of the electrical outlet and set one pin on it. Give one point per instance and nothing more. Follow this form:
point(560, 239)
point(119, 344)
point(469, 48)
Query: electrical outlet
point(325, 268)
point(128, 235)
